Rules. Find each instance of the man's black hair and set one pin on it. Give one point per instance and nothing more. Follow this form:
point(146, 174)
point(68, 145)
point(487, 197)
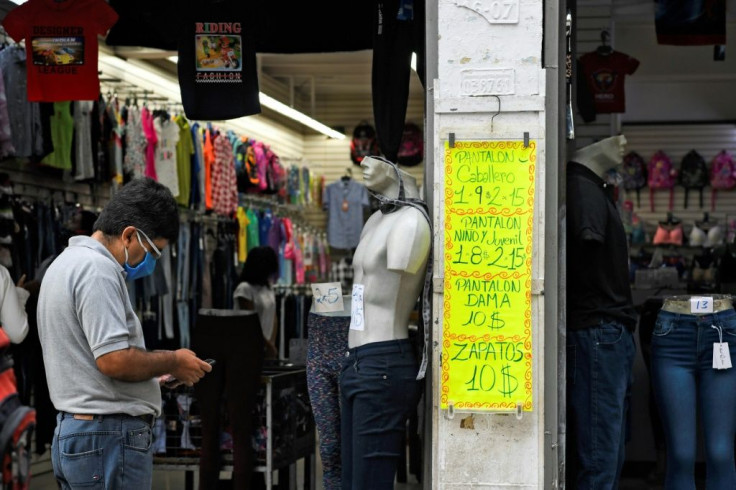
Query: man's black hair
point(145, 204)
point(261, 264)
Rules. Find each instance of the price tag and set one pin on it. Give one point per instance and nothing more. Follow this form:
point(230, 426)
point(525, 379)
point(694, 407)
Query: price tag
point(701, 304)
point(357, 320)
point(721, 356)
point(327, 297)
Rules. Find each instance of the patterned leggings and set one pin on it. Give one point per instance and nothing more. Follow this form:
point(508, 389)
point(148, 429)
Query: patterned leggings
point(328, 343)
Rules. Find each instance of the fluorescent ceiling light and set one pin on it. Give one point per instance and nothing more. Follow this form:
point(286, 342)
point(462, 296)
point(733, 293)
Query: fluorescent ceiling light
point(18, 2)
point(289, 112)
point(414, 61)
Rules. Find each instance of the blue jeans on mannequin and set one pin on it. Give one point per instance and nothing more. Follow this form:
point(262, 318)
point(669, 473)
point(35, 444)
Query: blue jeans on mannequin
point(378, 389)
point(110, 451)
point(599, 363)
point(686, 384)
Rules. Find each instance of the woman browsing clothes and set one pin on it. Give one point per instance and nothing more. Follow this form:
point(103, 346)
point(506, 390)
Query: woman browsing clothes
point(254, 292)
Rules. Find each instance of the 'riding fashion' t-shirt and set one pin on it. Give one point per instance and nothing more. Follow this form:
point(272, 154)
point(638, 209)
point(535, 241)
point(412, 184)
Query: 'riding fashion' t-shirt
point(61, 46)
point(217, 61)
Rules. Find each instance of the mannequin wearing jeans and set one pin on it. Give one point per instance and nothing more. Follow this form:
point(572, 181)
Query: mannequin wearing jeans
point(686, 383)
point(600, 321)
point(378, 382)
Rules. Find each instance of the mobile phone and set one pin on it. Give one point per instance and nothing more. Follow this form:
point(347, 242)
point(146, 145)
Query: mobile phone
point(171, 383)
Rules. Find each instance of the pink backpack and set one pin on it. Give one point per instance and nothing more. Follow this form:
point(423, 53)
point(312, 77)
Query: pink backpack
point(722, 175)
point(661, 175)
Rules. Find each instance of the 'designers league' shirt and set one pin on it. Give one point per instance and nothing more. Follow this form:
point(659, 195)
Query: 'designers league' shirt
point(217, 61)
point(61, 46)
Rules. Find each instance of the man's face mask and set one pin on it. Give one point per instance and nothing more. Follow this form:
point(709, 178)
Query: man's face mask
point(147, 265)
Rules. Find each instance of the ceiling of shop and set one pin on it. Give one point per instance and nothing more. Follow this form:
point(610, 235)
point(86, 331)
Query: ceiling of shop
point(305, 81)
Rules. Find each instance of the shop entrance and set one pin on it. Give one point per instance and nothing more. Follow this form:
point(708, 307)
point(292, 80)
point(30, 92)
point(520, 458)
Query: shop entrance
point(665, 88)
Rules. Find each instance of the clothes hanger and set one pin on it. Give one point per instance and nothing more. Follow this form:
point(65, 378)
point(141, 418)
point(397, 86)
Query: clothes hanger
point(604, 49)
point(671, 220)
point(348, 175)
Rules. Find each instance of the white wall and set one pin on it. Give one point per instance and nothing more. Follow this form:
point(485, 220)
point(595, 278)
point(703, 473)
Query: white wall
point(500, 451)
point(676, 83)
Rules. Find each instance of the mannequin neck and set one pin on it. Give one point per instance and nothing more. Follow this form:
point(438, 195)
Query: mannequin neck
point(602, 155)
point(391, 189)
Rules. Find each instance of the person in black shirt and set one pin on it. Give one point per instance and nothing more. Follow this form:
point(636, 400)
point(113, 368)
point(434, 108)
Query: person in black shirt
point(600, 320)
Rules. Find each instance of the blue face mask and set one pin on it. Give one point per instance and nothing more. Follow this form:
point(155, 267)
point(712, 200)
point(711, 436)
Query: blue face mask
point(145, 268)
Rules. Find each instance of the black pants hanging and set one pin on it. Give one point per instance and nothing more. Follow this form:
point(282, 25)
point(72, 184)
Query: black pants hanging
point(235, 341)
point(394, 41)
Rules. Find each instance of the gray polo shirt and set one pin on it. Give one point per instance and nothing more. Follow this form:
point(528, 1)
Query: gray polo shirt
point(84, 312)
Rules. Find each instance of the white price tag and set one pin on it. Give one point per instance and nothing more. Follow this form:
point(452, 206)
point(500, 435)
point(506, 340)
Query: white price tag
point(721, 356)
point(357, 320)
point(327, 297)
point(701, 304)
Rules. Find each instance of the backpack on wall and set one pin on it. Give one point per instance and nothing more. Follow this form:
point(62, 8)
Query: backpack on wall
point(634, 173)
point(364, 143)
point(17, 422)
point(411, 149)
point(662, 175)
point(722, 175)
point(693, 174)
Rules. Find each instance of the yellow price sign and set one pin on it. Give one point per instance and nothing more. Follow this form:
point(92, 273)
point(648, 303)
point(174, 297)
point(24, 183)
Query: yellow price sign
point(489, 218)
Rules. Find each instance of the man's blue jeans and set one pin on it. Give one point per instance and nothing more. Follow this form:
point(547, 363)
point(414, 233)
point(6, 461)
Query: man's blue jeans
point(378, 390)
point(108, 452)
point(599, 376)
point(685, 384)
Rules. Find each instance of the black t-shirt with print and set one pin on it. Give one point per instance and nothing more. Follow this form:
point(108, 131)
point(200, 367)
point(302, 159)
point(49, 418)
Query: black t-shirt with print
point(217, 61)
point(598, 287)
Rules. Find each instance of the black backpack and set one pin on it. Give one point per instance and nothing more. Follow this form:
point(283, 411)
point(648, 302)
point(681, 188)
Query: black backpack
point(364, 143)
point(693, 174)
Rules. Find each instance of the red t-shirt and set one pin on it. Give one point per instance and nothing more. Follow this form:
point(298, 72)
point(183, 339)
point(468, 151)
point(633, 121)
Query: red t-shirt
point(61, 46)
point(605, 76)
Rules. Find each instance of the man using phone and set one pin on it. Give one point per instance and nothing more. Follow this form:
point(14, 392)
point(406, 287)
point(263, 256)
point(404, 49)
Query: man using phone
point(101, 379)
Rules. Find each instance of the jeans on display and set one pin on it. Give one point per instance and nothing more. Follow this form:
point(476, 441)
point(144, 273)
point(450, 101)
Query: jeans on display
point(686, 384)
point(111, 451)
point(378, 390)
point(328, 341)
point(599, 378)
point(183, 263)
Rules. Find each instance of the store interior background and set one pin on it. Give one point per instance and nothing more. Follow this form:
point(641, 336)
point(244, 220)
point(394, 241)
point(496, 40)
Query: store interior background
point(333, 88)
point(678, 99)
point(685, 97)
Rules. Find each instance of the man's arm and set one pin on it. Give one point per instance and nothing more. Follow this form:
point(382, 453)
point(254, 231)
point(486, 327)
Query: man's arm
point(135, 365)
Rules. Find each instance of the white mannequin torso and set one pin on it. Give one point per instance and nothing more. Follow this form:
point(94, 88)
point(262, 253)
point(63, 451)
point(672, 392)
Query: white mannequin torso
point(391, 259)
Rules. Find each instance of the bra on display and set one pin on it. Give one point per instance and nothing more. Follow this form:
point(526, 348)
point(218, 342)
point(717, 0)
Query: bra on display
point(711, 238)
point(663, 236)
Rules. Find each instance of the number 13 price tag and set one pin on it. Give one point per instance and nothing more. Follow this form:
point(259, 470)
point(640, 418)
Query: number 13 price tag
point(701, 304)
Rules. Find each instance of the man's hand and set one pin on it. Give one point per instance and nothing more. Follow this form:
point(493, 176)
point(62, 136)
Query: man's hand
point(189, 368)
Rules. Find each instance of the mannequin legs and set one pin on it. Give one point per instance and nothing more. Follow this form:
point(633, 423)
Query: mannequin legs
point(378, 390)
point(685, 384)
point(599, 363)
point(328, 342)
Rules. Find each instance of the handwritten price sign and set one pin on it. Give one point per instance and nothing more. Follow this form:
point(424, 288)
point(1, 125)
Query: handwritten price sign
point(327, 297)
point(489, 217)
